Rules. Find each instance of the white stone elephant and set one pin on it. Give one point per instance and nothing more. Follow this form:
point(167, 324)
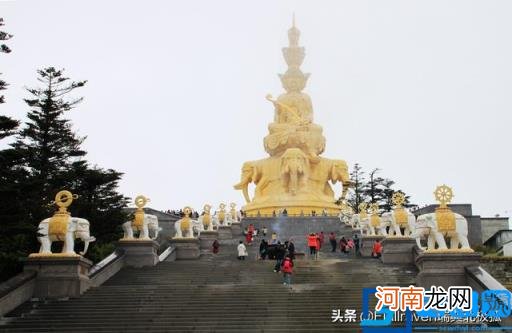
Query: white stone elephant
point(390, 219)
point(148, 230)
point(426, 226)
point(184, 228)
point(76, 228)
point(358, 222)
point(369, 229)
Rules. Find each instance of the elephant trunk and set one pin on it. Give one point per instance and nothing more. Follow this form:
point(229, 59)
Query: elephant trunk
point(86, 244)
point(243, 185)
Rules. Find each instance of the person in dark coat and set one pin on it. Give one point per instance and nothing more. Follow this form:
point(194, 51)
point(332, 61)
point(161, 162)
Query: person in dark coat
point(357, 244)
point(280, 253)
point(263, 249)
point(291, 249)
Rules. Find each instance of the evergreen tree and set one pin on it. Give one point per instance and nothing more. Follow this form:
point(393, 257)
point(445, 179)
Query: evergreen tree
point(356, 193)
point(47, 142)
point(46, 158)
point(7, 124)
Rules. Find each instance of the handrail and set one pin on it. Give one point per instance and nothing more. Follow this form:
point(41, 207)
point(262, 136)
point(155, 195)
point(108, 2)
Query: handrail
point(166, 253)
point(114, 256)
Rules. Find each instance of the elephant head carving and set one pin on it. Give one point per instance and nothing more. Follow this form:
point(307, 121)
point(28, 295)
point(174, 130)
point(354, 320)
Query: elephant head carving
point(294, 168)
point(249, 175)
point(339, 172)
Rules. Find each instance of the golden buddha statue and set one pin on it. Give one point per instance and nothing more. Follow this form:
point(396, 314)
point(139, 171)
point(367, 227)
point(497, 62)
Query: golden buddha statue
point(294, 177)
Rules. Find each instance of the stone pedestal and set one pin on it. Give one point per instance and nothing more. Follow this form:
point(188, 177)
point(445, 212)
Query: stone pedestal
point(225, 232)
point(236, 229)
point(367, 244)
point(398, 250)
point(59, 277)
point(139, 253)
point(444, 268)
point(186, 248)
point(206, 239)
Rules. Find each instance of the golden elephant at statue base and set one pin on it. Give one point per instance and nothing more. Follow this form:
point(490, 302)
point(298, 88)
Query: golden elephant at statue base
point(292, 182)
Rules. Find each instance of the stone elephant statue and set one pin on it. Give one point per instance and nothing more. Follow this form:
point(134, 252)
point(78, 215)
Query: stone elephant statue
point(368, 228)
point(148, 230)
point(426, 225)
point(294, 169)
point(184, 228)
point(390, 219)
point(358, 221)
point(77, 228)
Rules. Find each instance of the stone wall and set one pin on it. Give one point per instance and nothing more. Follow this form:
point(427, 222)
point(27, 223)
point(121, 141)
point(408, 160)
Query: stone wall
point(500, 268)
point(491, 225)
point(298, 228)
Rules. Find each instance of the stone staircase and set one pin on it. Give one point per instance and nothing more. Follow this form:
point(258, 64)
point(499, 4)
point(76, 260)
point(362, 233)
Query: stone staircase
point(217, 294)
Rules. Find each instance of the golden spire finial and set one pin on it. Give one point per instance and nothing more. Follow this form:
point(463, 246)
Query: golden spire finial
point(293, 20)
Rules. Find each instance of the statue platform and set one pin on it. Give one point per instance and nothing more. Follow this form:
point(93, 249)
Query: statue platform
point(444, 269)
point(367, 244)
point(139, 253)
point(225, 232)
point(59, 276)
point(236, 229)
point(398, 250)
point(297, 228)
point(186, 248)
point(206, 239)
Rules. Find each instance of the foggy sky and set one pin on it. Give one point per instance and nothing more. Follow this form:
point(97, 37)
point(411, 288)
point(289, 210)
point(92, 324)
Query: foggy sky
point(176, 91)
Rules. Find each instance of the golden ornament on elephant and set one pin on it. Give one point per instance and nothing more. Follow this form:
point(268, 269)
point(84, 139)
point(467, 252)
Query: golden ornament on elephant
point(138, 219)
point(444, 215)
point(398, 200)
point(58, 225)
point(186, 221)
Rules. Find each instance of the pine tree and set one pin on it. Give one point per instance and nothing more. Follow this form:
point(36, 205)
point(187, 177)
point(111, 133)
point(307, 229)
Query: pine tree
point(46, 158)
point(356, 193)
point(47, 142)
point(7, 125)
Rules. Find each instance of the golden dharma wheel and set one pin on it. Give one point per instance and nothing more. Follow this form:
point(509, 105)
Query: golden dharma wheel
point(398, 199)
point(187, 211)
point(443, 194)
point(63, 199)
point(374, 208)
point(141, 201)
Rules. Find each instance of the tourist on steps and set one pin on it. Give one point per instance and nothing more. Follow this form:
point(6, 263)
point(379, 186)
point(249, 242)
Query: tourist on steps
point(263, 249)
point(332, 240)
point(357, 244)
point(242, 251)
point(343, 245)
point(215, 246)
point(291, 249)
point(312, 244)
point(280, 253)
point(377, 249)
point(287, 269)
point(248, 237)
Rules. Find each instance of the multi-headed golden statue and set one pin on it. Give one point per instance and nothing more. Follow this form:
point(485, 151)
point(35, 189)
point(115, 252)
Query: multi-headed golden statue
point(294, 177)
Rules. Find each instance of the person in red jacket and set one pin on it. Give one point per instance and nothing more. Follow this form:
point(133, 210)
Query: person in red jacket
point(287, 269)
point(377, 249)
point(312, 244)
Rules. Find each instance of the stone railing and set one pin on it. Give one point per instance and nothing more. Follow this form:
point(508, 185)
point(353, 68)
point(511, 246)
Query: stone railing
point(21, 288)
point(16, 291)
point(106, 268)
